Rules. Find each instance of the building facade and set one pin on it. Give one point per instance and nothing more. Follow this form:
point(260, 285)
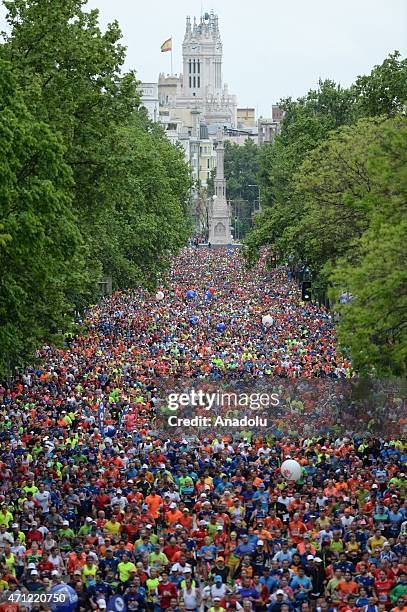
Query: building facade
point(268, 128)
point(246, 118)
point(195, 103)
point(149, 99)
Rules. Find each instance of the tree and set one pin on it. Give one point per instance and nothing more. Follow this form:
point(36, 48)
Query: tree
point(70, 74)
point(40, 250)
point(384, 90)
point(92, 187)
point(241, 168)
point(333, 185)
point(148, 209)
point(307, 122)
point(329, 190)
point(374, 325)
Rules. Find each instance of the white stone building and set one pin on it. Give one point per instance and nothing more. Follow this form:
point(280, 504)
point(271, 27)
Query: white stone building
point(192, 103)
point(149, 99)
point(195, 104)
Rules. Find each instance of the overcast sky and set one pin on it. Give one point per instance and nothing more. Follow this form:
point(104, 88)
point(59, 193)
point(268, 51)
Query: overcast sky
point(270, 49)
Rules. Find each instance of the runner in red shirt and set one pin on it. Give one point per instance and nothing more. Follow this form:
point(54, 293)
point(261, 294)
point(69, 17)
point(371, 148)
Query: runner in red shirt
point(166, 591)
point(382, 587)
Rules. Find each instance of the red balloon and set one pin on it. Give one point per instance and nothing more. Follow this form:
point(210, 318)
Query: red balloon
point(211, 290)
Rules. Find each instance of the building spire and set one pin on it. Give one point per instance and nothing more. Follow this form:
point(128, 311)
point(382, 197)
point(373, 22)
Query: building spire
point(188, 27)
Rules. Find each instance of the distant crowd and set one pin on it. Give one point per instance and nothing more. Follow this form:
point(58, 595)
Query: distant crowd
point(94, 496)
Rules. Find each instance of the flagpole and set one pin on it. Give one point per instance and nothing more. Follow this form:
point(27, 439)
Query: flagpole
point(171, 54)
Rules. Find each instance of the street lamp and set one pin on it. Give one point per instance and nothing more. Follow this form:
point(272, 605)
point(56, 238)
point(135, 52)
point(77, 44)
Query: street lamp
point(258, 187)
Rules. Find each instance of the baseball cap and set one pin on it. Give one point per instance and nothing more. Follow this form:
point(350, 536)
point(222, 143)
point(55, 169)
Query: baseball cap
point(260, 543)
point(173, 505)
point(309, 557)
point(218, 578)
point(34, 572)
point(280, 592)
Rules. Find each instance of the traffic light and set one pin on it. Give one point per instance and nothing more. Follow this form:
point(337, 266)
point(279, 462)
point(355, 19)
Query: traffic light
point(306, 291)
point(272, 261)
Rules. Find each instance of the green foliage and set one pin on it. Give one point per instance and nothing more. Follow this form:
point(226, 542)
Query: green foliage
point(122, 185)
point(241, 168)
point(384, 90)
point(374, 325)
point(41, 244)
point(146, 222)
point(329, 191)
point(330, 201)
point(307, 122)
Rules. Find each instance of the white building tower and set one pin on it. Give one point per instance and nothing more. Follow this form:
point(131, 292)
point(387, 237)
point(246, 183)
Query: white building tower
point(202, 58)
point(202, 80)
point(219, 219)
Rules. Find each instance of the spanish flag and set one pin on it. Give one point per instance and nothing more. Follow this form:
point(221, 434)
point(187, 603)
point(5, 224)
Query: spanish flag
point(167, 45)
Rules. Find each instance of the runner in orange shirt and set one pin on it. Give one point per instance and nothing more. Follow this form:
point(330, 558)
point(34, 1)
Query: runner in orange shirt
point(173, 516)
point(186, 519)
point(154, 502)
point(296, 529)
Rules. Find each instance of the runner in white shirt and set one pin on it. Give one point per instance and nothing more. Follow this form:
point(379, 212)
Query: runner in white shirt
point(43, 498)
point(191, 596)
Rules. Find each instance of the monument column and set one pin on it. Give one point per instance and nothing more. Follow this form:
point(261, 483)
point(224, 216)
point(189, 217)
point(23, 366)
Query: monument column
point(219, 221)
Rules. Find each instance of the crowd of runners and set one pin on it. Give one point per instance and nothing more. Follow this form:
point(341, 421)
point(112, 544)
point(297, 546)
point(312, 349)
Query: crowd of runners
point(94, 495)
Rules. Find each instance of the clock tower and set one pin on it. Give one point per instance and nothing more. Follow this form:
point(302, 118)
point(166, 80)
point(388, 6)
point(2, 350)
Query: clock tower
point(202, 58)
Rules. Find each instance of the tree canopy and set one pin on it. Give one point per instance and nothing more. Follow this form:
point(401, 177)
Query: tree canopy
point(332, 184)
point(41, 250)
point(120, 186)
